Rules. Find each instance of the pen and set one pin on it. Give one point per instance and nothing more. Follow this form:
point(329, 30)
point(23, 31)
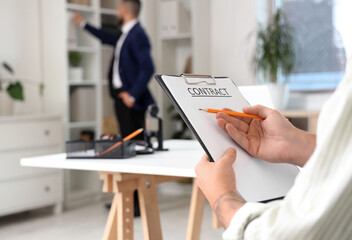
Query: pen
point(129, 137)
point(231, 113)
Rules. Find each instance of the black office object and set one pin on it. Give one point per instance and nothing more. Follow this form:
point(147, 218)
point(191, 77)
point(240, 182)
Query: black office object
point(150, 133)
point(80, 149)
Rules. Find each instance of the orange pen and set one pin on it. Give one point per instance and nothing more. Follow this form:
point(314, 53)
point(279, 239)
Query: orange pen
point(231, 113)
point(129, 137)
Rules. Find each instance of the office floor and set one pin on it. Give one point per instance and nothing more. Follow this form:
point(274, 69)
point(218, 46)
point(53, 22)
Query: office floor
point(87, 222)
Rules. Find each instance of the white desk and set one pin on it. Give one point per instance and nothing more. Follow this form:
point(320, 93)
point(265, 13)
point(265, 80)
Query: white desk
point(179, 161)
point(142, 172)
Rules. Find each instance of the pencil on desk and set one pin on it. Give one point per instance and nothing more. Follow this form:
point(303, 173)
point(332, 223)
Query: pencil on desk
point(231, 113)
point(129, 137)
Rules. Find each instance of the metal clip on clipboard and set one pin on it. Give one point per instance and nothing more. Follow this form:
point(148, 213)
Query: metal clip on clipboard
point(196, 79)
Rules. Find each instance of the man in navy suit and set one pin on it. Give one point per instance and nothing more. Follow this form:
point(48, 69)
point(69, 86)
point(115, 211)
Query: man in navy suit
point(130, 70)
point(131, 65)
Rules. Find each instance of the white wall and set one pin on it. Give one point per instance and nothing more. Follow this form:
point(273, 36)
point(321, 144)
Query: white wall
point(54, 55)
point(232, 24)
point(20, 46)
point(29, 42)
point(201, 31)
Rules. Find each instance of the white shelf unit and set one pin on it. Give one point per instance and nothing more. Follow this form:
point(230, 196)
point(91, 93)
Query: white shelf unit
point(181, 36)
point(174, 46)
point(82, 49)
point(80, 8)
point(88, 100)
point(108, 11)
point(87, 124)
point(82, 83)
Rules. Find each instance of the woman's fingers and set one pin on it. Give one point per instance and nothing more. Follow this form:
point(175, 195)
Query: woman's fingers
point(239, 137)
point(222, 123)
point(237, 123)
point(246, 120)
point(237, 131)
point(258, 110)
point(228, 158)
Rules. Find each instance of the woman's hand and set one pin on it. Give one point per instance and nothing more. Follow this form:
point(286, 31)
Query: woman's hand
point(218, 183)
point(273, 139)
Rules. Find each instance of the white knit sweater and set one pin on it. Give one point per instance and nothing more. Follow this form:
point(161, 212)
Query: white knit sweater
point(319, 205)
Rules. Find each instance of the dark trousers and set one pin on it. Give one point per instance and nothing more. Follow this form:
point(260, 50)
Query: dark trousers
point(129, 120)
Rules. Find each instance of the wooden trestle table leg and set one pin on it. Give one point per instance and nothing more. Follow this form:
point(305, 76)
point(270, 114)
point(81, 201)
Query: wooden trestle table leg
point(119, 224)
point(195, 213)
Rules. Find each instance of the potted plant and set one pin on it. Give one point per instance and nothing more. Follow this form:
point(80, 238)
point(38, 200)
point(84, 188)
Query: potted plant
point(76, 71)
point(11, 89)
point(274, 55)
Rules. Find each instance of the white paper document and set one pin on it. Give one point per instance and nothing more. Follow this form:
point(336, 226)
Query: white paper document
point(256, 179)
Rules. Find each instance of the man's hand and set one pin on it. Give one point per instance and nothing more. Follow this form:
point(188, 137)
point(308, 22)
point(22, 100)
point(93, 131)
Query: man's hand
point(273, 139)
point(127, 99)
point(218, 183)
point(77, 19)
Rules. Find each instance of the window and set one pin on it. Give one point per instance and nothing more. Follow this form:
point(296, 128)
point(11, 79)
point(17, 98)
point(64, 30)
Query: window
point(323, 41)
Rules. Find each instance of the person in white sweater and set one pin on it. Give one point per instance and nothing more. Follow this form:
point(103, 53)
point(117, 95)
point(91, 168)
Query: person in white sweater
point(319, 205)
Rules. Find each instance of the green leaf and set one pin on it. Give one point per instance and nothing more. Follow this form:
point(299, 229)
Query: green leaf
point(41, 89)
point(8, 67)
point(15, 90)
point(75, 59)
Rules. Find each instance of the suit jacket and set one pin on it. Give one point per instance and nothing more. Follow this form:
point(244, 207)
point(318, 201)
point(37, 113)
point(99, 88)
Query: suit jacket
point(135, 65)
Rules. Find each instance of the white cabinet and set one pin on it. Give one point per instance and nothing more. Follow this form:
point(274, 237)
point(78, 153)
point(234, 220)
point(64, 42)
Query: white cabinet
point(174, 19)
point(174, 44)
point(23, 188)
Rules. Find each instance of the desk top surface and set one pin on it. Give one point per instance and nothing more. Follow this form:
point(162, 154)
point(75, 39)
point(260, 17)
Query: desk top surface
point(180, 160)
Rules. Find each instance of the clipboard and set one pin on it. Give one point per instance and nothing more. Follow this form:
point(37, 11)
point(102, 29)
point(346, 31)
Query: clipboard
point(256, 179)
